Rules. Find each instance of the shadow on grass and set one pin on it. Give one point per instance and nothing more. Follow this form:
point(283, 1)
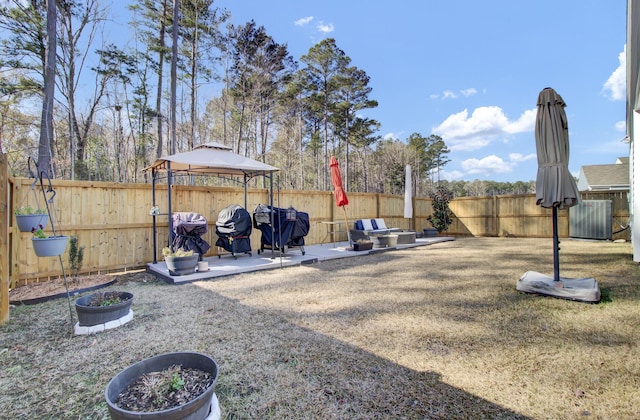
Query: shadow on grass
point(270, 367)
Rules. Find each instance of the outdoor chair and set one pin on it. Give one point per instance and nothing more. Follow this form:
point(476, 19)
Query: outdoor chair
point(374, 227)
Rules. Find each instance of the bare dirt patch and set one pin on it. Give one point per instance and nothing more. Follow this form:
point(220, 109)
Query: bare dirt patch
point(56, 286)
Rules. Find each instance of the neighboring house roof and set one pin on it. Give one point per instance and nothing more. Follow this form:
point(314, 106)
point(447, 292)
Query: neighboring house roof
point(613, 177)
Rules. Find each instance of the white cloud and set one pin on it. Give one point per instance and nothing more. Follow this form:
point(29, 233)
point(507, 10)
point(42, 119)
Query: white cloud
point(526, 122)
point(303, 21)
point(463, 132)
point(325, 28)
point(616, 85)
point(468, 92)
point(621, 126)
point(488, 165)
point(451, 175)
point(449, 94)
point(518, 157)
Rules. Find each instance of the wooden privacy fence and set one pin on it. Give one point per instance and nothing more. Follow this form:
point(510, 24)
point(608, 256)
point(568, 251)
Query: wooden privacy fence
point(113, 223)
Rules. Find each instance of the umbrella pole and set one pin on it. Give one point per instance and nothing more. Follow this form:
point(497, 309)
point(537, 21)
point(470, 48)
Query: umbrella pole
point(346, 224)
point(556, 242)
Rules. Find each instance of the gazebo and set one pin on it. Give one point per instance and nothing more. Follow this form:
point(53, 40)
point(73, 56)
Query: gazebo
point(210, 159)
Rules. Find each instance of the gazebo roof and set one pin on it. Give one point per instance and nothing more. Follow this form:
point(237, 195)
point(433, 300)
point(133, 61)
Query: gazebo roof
point(213, 159)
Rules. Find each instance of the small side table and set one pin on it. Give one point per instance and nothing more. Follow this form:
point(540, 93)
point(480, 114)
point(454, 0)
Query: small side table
point(333, 228)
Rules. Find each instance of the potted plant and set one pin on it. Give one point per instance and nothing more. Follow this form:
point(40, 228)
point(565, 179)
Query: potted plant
point(103, 307)
point(47, 246)
point(28, 218)
point(362, 245)
point(170, 386)
point(442, 215)
point(180, 262)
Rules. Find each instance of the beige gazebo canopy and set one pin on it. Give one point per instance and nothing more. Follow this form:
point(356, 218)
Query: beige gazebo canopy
point(211, 159)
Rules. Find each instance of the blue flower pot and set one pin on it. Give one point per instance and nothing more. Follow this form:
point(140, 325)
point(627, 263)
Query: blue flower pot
point(49, 247)
point(27, 222)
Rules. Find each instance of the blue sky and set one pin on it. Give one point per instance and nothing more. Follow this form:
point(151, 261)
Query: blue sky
point(471, 71)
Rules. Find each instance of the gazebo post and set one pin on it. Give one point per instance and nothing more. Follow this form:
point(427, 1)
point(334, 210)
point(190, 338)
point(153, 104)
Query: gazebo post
point(154, 173)
point(245, 191)
point(169, 213)
point(271, 204)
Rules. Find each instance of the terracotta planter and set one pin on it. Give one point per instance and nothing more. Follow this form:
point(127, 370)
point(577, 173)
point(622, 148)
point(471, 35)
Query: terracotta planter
point(198, 408)
point(179, 266)
point(27, 222)
point(49, 247)
point(89, 316)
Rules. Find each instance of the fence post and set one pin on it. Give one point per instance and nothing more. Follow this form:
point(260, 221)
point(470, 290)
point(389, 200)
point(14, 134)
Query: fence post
point(4, 239)
point(495, 216)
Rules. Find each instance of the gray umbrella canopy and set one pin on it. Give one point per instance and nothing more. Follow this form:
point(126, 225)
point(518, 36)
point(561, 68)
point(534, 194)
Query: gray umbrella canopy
point(555, 186)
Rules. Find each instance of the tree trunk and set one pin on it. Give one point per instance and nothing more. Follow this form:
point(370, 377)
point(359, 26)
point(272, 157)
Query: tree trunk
point(160, 76)
point(45, 146)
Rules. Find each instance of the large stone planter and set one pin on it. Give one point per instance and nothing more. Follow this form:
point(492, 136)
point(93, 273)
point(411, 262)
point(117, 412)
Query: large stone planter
point(89, 316)
point(28, 222)
point(384, 241)
point(179, 266)
point(49, 247)
point(199, 408)
point(393, 240)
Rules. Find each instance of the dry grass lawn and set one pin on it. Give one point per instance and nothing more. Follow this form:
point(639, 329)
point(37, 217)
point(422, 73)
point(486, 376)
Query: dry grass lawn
point(431, 332)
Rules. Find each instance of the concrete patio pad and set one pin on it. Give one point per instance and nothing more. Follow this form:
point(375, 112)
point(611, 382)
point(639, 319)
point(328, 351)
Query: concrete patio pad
point(266, 260)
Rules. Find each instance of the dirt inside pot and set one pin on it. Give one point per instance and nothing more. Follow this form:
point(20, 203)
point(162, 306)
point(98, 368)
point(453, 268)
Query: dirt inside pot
point(107, 298)
point(163, 390)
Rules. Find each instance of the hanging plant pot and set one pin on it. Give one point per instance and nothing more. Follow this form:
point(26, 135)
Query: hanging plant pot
point(118, 393)
point(179, 266)
point(49, 247)
point(102, 307)
point(28, 222)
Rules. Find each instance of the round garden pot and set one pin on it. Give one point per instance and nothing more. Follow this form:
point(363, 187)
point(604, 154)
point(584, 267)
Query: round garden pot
point(49, 247)
point(89, 316)
point(429, 233)
point(384, 241)
point(179, 266)
point(27, 222)
point(196, 409)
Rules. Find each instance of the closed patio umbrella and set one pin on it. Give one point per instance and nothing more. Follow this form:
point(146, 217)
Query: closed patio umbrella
point(555, 186)
point(408, 199)
point(338, 191)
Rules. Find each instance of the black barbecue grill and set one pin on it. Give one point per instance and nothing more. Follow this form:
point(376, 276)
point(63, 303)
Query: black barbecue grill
point(288, 229)
point(188, 228)
point(234, 229)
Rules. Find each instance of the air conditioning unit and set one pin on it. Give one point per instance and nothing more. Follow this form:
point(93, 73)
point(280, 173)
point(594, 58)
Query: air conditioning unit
point(591, 219)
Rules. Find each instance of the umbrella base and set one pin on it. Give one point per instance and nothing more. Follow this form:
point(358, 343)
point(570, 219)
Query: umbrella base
point(582, 289)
